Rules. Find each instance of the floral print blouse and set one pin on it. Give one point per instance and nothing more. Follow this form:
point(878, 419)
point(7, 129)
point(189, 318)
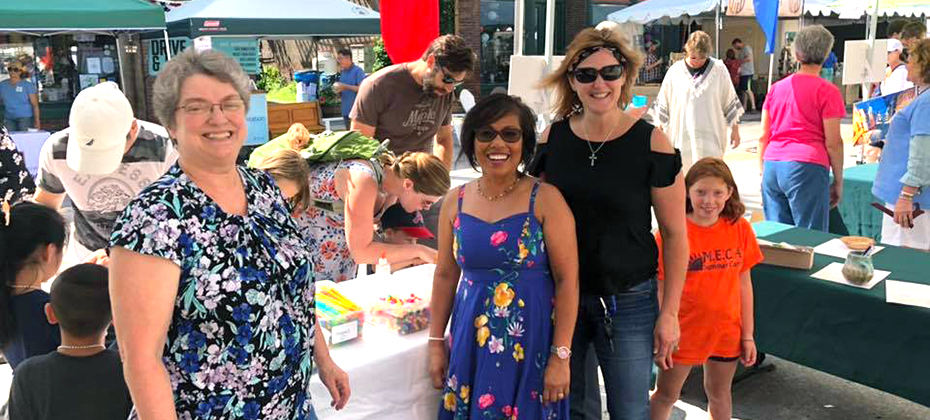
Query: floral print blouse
point(241, 336)
point(15, 181)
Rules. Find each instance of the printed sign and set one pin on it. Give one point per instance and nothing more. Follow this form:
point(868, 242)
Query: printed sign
point(344, 332)
point(244, 50)
point(257, 120)
point(158, 51)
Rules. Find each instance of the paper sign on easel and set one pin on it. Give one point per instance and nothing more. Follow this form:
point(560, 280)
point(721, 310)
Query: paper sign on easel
point(861, 67)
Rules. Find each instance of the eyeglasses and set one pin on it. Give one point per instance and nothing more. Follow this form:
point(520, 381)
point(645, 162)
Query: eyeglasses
point(12, 69)
point(509, 135)
point(589, 74)
point(232, 106)
point(448, 79)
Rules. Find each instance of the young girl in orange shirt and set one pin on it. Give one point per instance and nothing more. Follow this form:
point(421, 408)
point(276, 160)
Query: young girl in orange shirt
point(716, 315)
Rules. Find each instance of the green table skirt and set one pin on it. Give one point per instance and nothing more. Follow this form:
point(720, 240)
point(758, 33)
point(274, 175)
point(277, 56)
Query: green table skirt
point(860, 217)
point(842, 330)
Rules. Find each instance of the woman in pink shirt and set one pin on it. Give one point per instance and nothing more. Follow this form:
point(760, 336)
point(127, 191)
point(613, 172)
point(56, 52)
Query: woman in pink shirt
point(801, 139)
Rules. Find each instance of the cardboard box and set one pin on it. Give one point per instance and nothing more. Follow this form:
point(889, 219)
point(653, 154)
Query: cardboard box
point(791, 256)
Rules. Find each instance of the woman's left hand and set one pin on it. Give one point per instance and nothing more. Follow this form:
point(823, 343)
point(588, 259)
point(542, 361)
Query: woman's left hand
point(336, 381)
point(556, 380)
point(667, 334)
point(904, 213)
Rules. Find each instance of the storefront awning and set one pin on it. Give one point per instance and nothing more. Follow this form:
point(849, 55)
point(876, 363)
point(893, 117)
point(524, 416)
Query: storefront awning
point(648, 11)
point(272, 18)
point(79, 15)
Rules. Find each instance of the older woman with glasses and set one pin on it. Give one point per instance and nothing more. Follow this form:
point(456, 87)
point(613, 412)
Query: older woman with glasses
point(697, 102)
point(612, 169)
point(801, 139)
point(210, 278)
point(510, 239)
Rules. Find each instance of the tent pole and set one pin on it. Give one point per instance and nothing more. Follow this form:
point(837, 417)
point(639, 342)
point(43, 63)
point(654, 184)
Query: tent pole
point(717, 23)
point(871, 28)
point(801, 20)
point(119, 61)
point(550, 31)
point(518, 12)
point(167, 45)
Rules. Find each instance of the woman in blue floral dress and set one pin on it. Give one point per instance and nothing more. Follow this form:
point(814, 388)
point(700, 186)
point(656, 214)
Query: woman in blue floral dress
point(210, 279)
point(514, 311)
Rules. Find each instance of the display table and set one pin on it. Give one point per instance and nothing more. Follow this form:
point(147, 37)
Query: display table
point(843, 330)
point(30, 143)
point(860, 217)
point(388, 373)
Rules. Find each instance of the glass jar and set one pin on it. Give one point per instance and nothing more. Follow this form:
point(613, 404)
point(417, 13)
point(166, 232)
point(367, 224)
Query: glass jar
point(858, 268)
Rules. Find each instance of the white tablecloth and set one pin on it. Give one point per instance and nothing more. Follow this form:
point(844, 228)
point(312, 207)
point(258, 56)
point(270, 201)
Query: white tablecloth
point(388, 373)
point(30, 143)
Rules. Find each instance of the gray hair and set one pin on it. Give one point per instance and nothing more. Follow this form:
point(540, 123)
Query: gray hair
point(213, 63)
point(813, 44)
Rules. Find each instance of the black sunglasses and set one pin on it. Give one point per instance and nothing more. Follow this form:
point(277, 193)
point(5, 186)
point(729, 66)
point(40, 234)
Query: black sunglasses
point(589, 74)
point(488, 134)
point(12, 69)
point(448, 79)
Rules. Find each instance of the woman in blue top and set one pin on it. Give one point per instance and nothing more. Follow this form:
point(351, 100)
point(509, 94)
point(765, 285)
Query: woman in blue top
point(905, 166)
point(20, 100)
point(32, 238)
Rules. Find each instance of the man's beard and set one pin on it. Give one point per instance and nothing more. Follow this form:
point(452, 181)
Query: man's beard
point(429, 86)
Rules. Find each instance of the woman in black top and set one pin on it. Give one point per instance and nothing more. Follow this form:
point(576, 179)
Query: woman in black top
point(612, 169)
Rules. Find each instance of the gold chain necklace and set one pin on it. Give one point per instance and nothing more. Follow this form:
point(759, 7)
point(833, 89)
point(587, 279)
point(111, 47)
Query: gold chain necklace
point(502, 194)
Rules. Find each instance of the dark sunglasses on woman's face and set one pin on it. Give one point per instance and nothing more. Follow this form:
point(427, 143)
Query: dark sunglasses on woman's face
point(589, 74)
point(509, 135)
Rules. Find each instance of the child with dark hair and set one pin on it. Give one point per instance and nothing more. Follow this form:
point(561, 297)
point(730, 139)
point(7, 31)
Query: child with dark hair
point(82, 379)
point(32, 238)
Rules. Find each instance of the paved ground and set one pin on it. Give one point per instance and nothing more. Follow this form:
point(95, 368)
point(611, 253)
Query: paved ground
point(790, 391)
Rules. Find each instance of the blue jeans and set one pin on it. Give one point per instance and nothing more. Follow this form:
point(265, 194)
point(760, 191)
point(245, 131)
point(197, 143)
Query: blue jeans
point(17, 124)
point(625, 357)
point(797, 194)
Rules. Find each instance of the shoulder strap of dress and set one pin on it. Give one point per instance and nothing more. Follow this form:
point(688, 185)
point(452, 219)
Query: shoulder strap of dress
point(461, 196)
point(533, 196)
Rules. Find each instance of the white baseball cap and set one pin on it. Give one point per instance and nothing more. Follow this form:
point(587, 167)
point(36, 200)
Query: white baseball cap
point(895, 45)
point(100, 120)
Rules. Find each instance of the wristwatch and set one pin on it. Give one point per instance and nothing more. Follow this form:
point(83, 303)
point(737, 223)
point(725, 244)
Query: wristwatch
point(562, 352)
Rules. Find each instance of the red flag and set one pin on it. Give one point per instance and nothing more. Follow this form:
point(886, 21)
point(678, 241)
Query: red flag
point(408, 27)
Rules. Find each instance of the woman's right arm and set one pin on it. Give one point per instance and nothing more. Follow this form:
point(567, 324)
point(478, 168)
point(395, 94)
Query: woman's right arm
point(361, 192)
point(445, 278)
point(143, 289)
point(831, 129)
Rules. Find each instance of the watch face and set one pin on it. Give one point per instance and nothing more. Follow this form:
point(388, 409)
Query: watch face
point(563, 353)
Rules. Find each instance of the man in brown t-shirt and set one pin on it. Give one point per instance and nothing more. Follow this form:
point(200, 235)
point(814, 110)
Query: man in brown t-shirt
point(411, 103)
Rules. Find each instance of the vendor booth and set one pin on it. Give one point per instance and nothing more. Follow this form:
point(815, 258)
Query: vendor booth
point(221, 23)
point(69, 45)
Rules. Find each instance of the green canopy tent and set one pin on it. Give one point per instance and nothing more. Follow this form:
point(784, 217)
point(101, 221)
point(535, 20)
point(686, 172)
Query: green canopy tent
point(272, 19)
point(58, 16)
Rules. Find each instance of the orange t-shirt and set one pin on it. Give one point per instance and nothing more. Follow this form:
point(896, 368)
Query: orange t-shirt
point(710, 303)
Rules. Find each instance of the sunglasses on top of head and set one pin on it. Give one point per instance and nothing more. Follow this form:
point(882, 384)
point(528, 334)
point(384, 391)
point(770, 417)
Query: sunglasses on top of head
point(589, 74)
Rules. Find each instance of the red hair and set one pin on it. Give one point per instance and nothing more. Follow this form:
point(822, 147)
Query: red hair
point(711, 167)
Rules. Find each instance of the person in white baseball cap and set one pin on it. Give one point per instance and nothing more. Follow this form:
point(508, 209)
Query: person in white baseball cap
point(101, 162)
point(896, 73)
point(101, 119)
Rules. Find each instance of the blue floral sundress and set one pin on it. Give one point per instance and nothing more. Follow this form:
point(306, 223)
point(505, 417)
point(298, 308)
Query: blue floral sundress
point(501, 328)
